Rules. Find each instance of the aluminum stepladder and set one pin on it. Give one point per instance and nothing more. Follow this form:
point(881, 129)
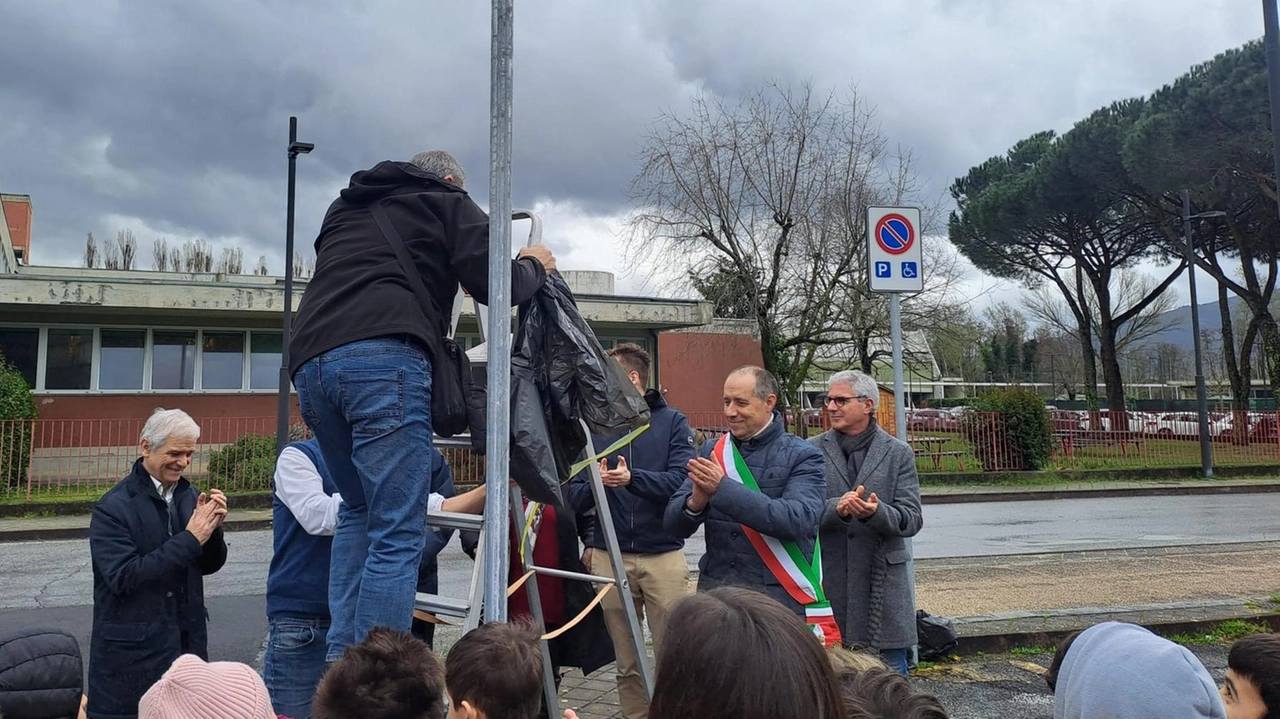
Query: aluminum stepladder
point(469, 609)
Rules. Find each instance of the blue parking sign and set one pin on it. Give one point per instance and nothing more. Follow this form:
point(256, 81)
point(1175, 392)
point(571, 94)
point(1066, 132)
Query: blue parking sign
point(910, 270)
point(884, 269)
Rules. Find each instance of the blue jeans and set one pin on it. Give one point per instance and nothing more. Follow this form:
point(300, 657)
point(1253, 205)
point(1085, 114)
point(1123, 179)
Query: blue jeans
point(897, 659)
point(369, 405)
point(294, 663)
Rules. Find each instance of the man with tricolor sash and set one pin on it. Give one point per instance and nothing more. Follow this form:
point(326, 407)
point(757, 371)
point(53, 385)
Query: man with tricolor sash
point(760, 492)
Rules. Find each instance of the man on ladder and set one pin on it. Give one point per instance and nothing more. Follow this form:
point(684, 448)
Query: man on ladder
point(646, 474)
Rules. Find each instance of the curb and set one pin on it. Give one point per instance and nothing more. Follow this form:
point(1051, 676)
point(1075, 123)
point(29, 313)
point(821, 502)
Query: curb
point(47, 535)
point(1179, 619)
point(1165, 491)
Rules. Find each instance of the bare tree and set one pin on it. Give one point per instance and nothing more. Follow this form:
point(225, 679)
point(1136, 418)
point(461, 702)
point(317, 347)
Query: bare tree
point(304, 266)
point(770, 195)
point(1128, 289)
point(232, 261)
point(125, 250)
point(262, 266)
point(160, 254)
point(91, 256)
point(197, 256)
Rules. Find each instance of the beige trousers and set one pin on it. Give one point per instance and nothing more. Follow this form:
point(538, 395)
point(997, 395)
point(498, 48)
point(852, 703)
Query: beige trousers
point(657, 582)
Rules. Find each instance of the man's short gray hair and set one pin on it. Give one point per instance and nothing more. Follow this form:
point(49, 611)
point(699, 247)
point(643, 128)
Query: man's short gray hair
point(863, 386)
point(166, 423)
point(441, 164)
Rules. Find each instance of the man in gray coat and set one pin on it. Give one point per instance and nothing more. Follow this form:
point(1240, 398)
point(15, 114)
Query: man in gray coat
point(873, 505)
point(768, 492)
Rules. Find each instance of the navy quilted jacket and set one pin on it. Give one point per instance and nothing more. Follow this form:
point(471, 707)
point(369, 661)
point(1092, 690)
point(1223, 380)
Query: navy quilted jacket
point(788, 506)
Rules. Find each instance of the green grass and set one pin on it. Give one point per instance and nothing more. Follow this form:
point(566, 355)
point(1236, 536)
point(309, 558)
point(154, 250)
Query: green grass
point(1226, 632)
point(1029, 651)
point(1274, 598)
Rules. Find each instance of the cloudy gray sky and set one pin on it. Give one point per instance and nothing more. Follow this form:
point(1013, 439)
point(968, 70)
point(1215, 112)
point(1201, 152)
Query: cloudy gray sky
point(170, 118)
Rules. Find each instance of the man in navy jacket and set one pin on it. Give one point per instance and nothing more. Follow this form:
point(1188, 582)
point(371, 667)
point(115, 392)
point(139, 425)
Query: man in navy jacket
point(152, 539)
point(791, 497)
point(646, 475)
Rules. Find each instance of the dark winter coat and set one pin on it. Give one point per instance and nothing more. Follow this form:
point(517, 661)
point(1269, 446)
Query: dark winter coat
point(788, 471)
point(360, 291)
point(659, 464)
point(864, 562)
point(148, 591)
point(41, 674)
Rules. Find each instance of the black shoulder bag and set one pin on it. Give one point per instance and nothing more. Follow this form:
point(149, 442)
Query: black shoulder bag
point(457, 404)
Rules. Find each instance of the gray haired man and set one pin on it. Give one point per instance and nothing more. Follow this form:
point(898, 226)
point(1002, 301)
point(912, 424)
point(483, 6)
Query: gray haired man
point(153, 538)
point(361, 364)
point(873, 507)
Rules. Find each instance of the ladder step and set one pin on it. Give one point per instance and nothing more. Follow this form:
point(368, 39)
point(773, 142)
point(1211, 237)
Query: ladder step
point(562, 574)
point(454, 520)
point(438, 605)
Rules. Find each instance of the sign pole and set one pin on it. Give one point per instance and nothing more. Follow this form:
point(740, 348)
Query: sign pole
point(895, 336)
point(497, 445)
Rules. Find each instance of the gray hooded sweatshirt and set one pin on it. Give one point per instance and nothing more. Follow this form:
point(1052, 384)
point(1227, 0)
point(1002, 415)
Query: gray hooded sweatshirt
point(1122, 671)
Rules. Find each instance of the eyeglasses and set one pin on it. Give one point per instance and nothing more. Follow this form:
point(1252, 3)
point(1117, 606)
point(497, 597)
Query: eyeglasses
point(840, 401)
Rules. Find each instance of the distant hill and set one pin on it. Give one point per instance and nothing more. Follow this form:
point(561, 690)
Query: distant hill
point(1178, 321)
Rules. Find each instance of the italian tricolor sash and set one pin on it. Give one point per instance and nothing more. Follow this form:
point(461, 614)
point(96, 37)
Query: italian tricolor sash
point(801, 579)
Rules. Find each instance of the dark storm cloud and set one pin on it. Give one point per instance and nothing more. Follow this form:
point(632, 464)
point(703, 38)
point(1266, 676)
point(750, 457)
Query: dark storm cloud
point(174, 114)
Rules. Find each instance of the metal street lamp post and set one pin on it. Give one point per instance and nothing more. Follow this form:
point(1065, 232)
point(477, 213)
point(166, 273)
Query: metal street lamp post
point(282, 412)
point(1202, 400)
point(1271, 41)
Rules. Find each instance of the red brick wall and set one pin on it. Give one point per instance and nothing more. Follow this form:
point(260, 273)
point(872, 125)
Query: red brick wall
point(693, 367)
point(18, 213)
point(90, 420)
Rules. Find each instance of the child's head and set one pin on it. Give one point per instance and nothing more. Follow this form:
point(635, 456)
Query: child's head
point(880, 693)
point(732, 652)
point(495, 672)
point(1051, 675)
point(846, 661)
point(390, 675)
point(1252, 687)
point(1123, 670)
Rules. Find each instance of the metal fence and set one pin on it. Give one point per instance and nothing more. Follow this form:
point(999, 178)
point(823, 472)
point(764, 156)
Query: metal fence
point(83, 458)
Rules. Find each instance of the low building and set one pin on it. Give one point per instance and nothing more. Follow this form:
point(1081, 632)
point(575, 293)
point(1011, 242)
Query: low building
point(98, 344)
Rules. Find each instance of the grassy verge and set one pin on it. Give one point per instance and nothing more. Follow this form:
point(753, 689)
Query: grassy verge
point(1225, 633)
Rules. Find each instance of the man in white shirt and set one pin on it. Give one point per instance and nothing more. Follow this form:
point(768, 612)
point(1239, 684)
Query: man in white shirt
point(305, 514)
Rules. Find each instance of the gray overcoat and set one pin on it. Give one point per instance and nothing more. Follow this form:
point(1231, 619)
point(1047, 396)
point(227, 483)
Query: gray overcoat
point(864, 562)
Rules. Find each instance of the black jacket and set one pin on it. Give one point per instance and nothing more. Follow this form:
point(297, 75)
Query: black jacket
point(148, 591)
point(41, 674)
point(359, 290)
point(658, 460)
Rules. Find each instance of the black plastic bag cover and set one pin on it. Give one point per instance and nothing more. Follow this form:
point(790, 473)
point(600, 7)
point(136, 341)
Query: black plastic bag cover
point(561, 375)
point(937, 636)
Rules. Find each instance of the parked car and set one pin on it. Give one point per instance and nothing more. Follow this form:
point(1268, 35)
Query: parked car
point(932, 420)
point(1187, 425)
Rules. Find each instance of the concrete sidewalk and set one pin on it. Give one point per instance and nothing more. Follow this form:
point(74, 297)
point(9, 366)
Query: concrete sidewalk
point(31, 528)
point(1034, 601)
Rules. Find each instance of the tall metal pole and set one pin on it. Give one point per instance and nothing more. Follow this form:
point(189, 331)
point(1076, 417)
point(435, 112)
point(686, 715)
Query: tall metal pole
point(283, 410)
point(497, 457)
point(1202, 399)
point(895, 337)
point(1271, 23)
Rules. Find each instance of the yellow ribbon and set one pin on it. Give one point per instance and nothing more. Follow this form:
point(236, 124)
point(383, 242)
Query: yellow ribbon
point(626, 440)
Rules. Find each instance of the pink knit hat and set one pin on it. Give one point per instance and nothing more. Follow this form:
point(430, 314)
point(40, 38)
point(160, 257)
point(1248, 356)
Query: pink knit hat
point(194, 689)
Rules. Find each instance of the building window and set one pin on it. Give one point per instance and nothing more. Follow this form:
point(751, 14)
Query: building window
point(121, 359)
point(222, 366)
point(264, 360)
point(70, 359)
point(20, 347)
point(173, 359)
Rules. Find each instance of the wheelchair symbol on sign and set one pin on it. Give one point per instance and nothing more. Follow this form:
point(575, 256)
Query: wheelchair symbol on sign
point(884, 269)
point(909, 270)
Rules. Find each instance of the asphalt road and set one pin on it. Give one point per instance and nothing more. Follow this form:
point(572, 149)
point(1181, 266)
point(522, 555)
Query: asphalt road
point(50, 583)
